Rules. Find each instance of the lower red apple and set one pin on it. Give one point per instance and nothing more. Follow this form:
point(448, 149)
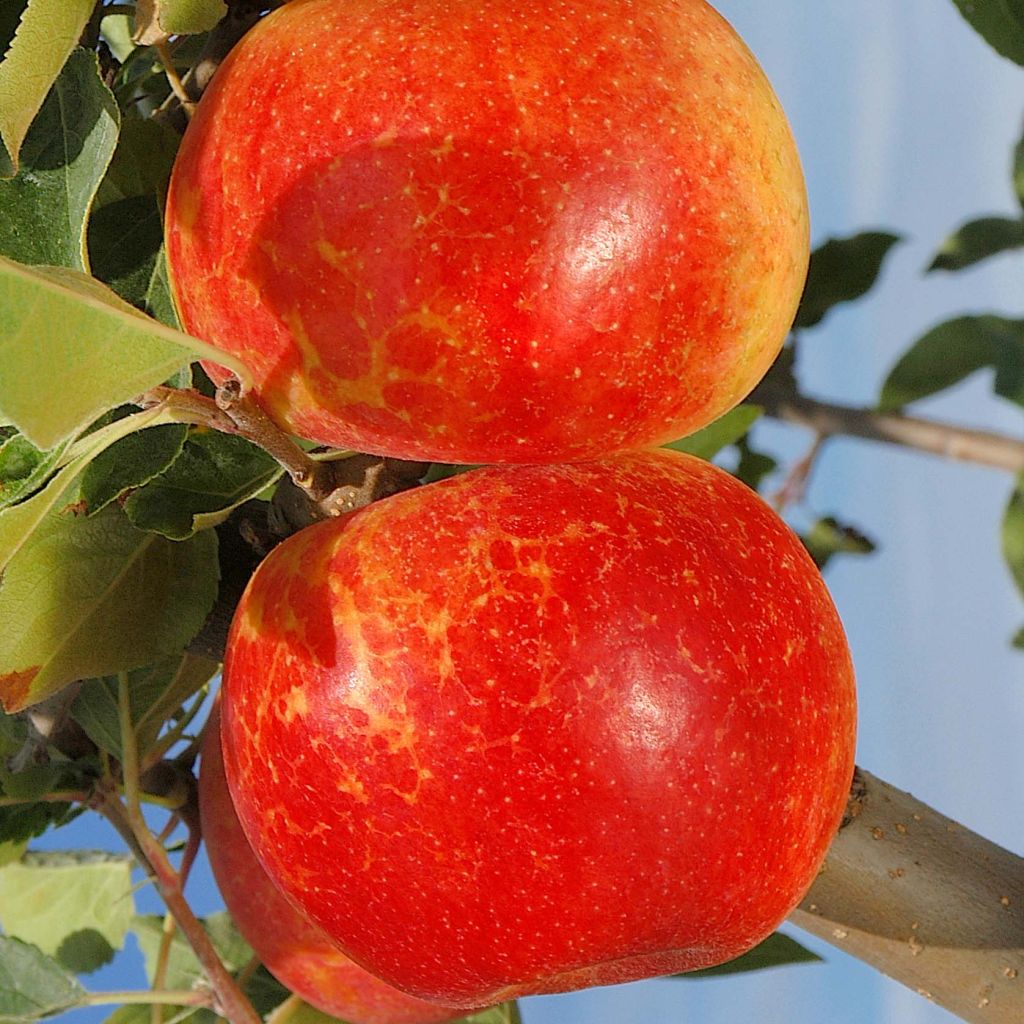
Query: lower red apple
point(295, 951)
point(531, 729)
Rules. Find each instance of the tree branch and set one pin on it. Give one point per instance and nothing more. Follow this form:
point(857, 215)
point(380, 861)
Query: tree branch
point(828, 420)
point(128, 819)
point(925, 901)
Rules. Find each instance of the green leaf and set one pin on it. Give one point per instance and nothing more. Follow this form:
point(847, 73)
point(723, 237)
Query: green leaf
point(183, 969)
point(142, 162)
point(159, 300)
point(91, 597)
point(978, 240)
point(953, 351)
point(116, 30)
point(45, 208)
point(297, 1011)
point(75, 907)
point(24, 468)
point(11, 851)
point(726, 430)
point(753, 466)
point(125, 238)
point(214, 474)
point(31, 782)
point(130, 463)
point(13, 734)
point(32, 985)
point(506, 1013)
point(775, 951)
point(1018, 639)
point(444, 470)
point(126, 228)
point(18, 522)
point(21, 822)
point(157, 19)
point(999, 22)
point(24, 821)
point(841, 270)
point(1013, 534)
point(139, 1013)
point(48, 32)
point(828, 538)
point(182, 17)
point(106, 350)
point(157, 692)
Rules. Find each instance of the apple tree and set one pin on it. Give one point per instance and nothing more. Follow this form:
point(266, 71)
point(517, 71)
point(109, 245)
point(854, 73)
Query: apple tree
point(138, 497)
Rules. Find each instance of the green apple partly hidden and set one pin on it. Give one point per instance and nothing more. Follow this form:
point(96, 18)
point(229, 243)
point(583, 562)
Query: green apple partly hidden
point(534, 728)
point(491, 231)
point(294, 950)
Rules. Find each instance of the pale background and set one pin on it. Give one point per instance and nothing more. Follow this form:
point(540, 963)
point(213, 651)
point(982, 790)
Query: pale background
point(906, 121)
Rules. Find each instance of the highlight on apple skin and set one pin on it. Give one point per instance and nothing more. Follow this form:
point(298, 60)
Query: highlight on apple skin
point(293, 949)
point(546, 727)
point(491, 231)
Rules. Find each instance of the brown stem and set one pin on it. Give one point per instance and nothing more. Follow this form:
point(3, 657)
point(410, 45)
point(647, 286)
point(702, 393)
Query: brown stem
point(358, 481)
point(128, 819)
point(983, 447)
point(249, 969)
point(230, 1000)
point(165, 997)
point(926, 901)
point(174, 79)
point(235, 413)
point(163, 958)
point(315, 478)
point(188, 406)
point(794, 487)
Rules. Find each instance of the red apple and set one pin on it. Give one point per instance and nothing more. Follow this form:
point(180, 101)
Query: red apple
point(491, 230)
point(536, 728)
point(294, 950)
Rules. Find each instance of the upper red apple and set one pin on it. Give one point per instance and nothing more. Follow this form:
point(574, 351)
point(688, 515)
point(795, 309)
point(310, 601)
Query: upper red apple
point(293, 949)
point(535, 728)
point(491, 230)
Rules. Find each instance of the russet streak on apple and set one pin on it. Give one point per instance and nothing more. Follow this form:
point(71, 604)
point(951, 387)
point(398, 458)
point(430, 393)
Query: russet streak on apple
point(491, 230)
point(532, 729)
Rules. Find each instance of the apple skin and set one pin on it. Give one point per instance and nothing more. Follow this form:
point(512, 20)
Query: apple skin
point(491, 231)
point(293, 949)
point(531, 729)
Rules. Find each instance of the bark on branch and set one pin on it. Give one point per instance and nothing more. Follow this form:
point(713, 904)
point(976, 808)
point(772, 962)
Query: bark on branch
point(954, 442)
point(926, 901)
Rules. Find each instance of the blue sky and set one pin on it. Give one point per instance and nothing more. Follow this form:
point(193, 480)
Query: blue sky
point(905, 120)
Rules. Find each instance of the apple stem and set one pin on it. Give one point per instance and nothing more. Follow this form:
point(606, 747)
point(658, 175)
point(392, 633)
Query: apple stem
point(315, 478)
point(232, 412)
